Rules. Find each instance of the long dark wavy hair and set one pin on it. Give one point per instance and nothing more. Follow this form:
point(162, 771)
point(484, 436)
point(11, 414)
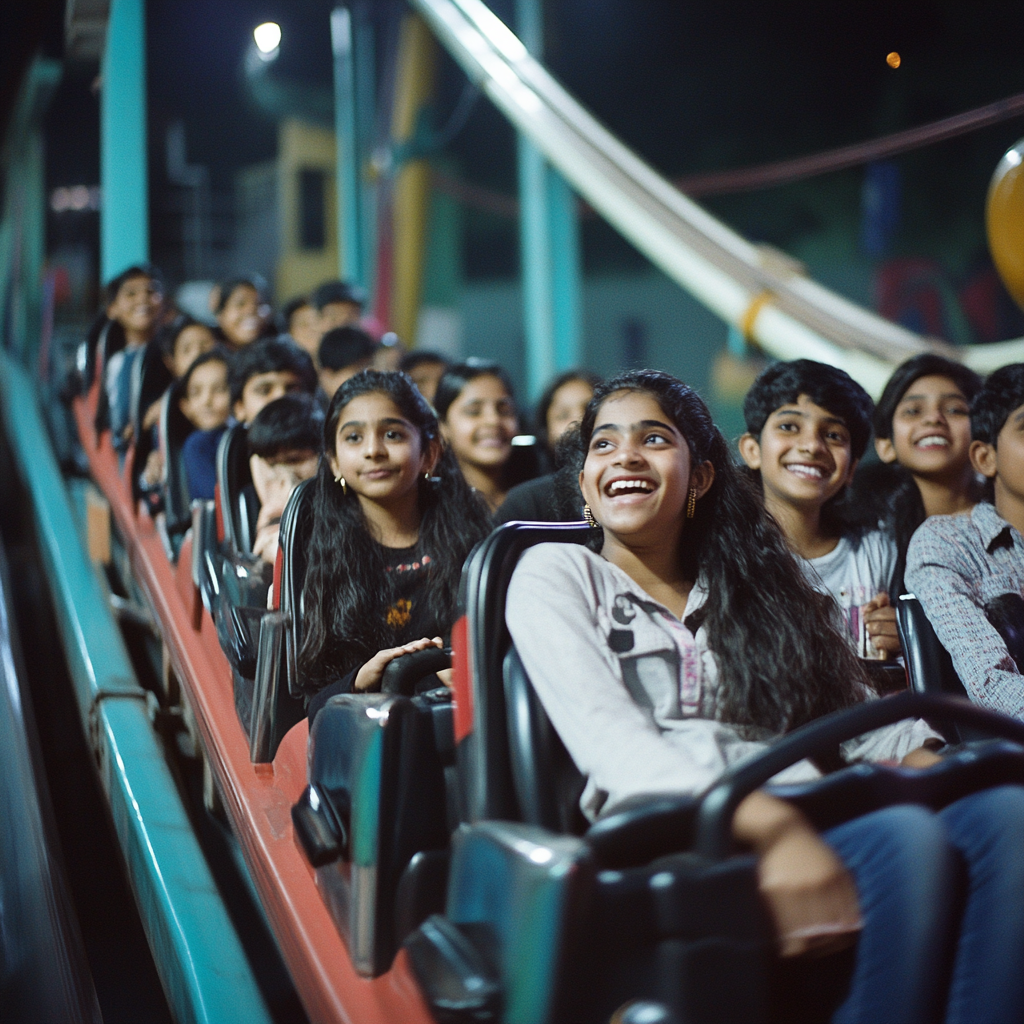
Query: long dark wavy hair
point(885, 493)
point(348, 591)
point(783, 658)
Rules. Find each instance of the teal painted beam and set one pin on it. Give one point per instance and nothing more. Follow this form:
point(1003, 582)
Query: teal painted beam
point(202, 966)
point(566, 272)
point(549, 246)
point(350, 245)
point(124, 220)
point(364, 55)
point(23, 230)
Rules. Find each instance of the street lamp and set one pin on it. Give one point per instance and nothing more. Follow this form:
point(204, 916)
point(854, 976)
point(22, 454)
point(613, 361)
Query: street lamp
point(268, 40)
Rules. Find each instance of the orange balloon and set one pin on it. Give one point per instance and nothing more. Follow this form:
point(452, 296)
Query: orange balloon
point(1004, 220)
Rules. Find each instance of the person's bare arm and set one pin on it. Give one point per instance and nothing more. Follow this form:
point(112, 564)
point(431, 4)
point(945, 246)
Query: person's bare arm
point(809, 892)
point(370, 675)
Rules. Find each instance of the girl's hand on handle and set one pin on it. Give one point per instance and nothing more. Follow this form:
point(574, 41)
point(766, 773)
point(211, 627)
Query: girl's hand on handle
point(810, 894)
point(369, 676)
point(880, 624)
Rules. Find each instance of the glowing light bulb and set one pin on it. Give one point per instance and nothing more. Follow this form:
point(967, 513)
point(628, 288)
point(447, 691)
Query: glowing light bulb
point(892, 59)
point(267, 36)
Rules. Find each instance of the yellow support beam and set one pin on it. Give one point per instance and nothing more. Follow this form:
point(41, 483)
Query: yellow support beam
point(414, 87)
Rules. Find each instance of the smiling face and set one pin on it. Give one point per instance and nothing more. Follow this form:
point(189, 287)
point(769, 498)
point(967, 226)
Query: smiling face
point(931, 430)
point(638, 471)
point(481, 423)
point(803, 455)
point(207, 399)
point(567, 406)
point(379, 452)
point(190, 343)
point(137, 308)
point(243, 315)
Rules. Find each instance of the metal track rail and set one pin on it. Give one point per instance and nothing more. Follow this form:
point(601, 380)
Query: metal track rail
point(202, 966)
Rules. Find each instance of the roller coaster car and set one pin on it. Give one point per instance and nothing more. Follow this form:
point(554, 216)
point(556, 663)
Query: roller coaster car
point(651, 905)
point(377, 815)
point(173, 428)
point(259, 641)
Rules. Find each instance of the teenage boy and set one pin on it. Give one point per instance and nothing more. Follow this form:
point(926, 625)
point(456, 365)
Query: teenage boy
point(338, 304)
point(963, 567)
point(426, 369)
point(265, 370)
point(284, 448)
point(134, 304)
point(808, 425)
point(344, 352)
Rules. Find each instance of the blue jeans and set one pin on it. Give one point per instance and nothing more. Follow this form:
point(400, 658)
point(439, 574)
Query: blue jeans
point(942, 898)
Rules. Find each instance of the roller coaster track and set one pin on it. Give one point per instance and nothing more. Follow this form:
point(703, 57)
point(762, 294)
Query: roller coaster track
point(756, 289)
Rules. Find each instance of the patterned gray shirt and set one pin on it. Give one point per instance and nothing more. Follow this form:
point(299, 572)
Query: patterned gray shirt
point(955, 566)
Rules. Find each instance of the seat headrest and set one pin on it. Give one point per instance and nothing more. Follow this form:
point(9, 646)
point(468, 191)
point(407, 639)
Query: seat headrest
point(491, 793)
point(233, 477)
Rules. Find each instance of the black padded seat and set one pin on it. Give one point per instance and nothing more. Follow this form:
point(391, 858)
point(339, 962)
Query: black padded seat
point(491, 784)
point(110, 341)
point(239, 506)
point(173, 429)
point(149, 381)
point(374, 819)
point(652, 903)
point(929, 665)
point(296, 530)
point(87, 353)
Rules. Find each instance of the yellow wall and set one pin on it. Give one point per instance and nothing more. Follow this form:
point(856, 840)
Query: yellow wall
point(304, 146)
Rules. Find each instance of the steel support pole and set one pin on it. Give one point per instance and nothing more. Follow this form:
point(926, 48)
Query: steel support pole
point(350, 246)
point(549, 246)
point(124, 221)
point(365, 78)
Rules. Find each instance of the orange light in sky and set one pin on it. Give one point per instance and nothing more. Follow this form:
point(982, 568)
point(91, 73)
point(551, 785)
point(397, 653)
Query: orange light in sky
point(892, 59)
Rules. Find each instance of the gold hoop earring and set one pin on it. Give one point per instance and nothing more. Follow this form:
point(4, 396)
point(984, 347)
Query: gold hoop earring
point(691, 503)
point(339, 479)
point(588, 515)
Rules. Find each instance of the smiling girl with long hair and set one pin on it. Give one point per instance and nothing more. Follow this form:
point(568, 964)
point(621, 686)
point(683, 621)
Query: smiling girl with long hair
point(393, 522)
point(684, 638)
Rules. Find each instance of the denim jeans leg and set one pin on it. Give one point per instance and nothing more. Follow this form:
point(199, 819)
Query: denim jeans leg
point(907, 876)
point(988, 977)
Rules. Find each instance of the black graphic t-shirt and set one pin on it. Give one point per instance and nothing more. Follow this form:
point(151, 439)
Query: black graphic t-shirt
point(409, 616)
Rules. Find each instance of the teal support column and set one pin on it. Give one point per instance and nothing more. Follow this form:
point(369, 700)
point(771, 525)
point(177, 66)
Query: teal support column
point(549, 246)
point(566, 272)
point(365, 76)
point(124, 221)
point(350, 247)
point(23, 206)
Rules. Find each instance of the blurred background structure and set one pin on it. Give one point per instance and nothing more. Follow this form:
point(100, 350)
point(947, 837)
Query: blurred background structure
point(454, 224)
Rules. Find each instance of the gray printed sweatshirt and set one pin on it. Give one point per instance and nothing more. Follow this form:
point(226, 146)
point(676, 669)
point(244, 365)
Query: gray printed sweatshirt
point(630, 690)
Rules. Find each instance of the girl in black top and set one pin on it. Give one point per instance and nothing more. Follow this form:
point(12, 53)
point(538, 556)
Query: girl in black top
point(393, 522)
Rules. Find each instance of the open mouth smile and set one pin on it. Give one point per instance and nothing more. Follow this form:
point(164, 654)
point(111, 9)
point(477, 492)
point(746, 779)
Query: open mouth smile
point(806, 471)
point(933, 441)
point(629, 485)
